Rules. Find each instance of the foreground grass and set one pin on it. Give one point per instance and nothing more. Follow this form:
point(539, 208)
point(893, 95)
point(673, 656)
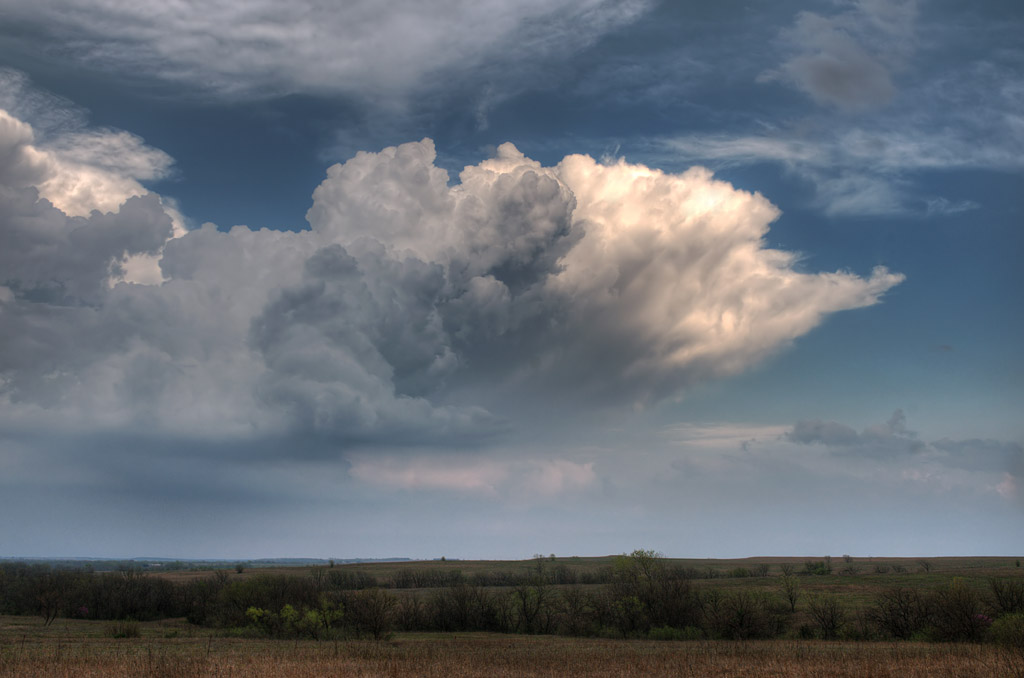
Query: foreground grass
point(166, 650)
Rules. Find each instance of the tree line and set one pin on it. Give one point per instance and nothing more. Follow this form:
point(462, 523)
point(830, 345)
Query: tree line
point(640, 596)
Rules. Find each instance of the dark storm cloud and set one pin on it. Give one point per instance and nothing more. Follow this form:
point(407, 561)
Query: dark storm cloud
point(356, 349)
point(49, 255)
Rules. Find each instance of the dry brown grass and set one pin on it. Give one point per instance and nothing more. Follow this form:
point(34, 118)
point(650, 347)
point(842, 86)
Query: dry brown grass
point(486, 656)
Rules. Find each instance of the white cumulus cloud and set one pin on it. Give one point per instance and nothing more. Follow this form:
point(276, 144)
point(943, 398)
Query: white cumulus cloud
point(409, 303)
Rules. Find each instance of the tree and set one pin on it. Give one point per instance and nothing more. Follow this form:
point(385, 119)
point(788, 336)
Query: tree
point(901, 612)
point(371, 611)
point(531, 607)
point(790, 591)
point(957, 613)
point(828, 614)
point(52, 593)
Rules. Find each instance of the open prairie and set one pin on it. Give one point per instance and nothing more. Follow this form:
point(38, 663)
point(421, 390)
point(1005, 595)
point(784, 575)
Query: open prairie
point(635, 615)
point(172, 649)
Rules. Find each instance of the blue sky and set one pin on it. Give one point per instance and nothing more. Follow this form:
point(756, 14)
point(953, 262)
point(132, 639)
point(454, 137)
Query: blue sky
point(486, 279)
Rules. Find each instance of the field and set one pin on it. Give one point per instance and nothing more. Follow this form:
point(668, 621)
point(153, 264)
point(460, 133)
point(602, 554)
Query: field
point(721, 642)
point(172, 649)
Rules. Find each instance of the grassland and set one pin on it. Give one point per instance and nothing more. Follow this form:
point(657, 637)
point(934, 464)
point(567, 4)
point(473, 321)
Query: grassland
point(173, 649)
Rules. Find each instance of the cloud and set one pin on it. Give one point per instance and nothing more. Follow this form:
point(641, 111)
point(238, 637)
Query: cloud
point(81, 171)
point(942, 206)
point(871, 170)
point(845, 60)
point(881, 440)
point(516, 481)
point(942, 463)
point(981, 454)
point(365, 48)
point(414, 312)
point(952, 108)
point(48, 113)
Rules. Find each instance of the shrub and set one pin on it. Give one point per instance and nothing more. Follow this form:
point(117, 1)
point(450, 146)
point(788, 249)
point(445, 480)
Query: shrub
point(126, 628)
point(1008, 631)
point(821, 567)
point(1008, 595)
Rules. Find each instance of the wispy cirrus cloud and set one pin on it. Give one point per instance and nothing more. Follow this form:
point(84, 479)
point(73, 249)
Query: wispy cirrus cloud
point(871, 145)
point(869, 170)
point(368, 49)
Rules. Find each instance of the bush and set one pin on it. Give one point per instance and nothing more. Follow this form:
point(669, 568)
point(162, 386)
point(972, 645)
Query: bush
point(821, 567)
point(126, 628)
point(1008, 631)
point(1008, 595)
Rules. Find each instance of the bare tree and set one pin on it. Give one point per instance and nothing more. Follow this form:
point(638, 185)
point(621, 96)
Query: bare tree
point(900, 612)
point(828, 614)
point(790, 591)
point(371, 611)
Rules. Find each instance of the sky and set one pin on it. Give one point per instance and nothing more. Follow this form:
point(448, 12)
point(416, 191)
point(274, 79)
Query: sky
point(490, 278)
